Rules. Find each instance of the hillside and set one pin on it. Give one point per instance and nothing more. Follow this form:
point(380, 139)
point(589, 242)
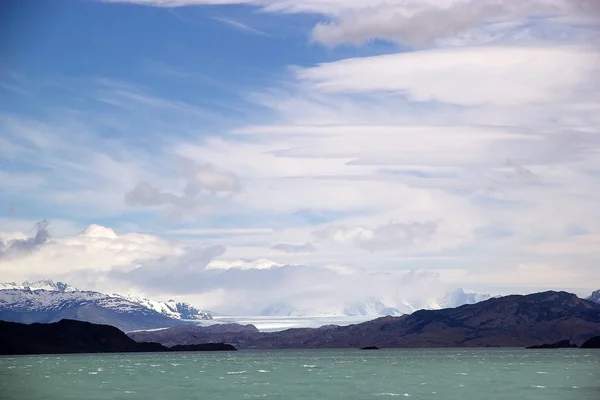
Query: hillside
point(69, 336)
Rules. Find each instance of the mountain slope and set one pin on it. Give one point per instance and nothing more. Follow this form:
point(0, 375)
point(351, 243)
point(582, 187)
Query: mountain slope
point(595, 297)
point(171, 308)
point(47, 301)
point(192, 334)
point(511, 321)
point(69, 336)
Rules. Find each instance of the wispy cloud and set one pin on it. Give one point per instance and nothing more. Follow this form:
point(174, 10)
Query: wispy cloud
point(240, 26)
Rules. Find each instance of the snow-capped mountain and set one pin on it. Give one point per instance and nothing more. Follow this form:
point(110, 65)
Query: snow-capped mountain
point(460, 297)
point(171, 308)
point(45, 284)
point(595, 297)
point(374, 307)
point(47, 301)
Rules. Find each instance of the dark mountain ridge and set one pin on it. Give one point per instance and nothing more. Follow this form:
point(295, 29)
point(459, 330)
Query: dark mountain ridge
point(70, 336)
point(510, 321)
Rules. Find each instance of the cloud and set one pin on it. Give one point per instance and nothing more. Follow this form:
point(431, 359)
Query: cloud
point(295, 248)
point(97, 248)
point(249, 290)
point(144, 194)
point(243, 264)
point(392, 236)
point(21, 247)
point(101, 259)
point(204, 177)
point(202, 183)
point(423, 23)
point(455, 145)
point(495, 75)
point(171, 273)
point(418, 22)
point(240, 26)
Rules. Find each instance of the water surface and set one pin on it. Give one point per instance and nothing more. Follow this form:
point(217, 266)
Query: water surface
point(289, 374)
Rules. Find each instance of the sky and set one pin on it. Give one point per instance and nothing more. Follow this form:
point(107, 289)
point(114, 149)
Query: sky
point(242, 153)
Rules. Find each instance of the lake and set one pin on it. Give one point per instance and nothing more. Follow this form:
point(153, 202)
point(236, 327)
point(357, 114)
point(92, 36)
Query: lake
point(308, 374)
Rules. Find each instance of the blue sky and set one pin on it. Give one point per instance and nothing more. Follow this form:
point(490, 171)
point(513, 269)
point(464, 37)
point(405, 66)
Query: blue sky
point(344, 137)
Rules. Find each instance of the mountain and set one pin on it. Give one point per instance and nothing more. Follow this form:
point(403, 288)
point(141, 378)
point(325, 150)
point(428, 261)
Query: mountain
point(47, 301)
point(595, 297)
point(45, 284)
point(69, 336)
point(592, 343)
point(171, 308)
point(371, 307)
point(510, 321)
point(191, 334)
point(375, 307)
point(459, 297)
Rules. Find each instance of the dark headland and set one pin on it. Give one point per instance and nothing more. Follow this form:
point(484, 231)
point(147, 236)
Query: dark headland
point(593, 343)
point(563, 344)
point(69, 336)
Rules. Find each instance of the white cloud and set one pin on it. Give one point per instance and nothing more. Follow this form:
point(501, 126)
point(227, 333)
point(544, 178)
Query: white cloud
point(95, 249)
point(495, 75)
point(240, 26)
point(422, 23)
point(243, 264)
point(203, 182)
point(392, 236)
point(415, 22)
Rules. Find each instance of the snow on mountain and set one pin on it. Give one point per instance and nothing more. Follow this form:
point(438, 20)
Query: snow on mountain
point(49, 285)
point(171, 308)
point(10, 285)
point(49, 301)
point(369, 308)
point(459, 297)
point(374, 307)
point(595, 297)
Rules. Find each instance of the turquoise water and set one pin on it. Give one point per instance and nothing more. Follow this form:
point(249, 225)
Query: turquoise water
point(328, 374)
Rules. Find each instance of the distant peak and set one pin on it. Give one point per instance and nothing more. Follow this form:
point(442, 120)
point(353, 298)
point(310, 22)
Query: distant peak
point(49, 285)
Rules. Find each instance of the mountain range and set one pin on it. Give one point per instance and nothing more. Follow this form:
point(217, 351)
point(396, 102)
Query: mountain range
point(376, 307)
point(49, 301)
point(509, 321)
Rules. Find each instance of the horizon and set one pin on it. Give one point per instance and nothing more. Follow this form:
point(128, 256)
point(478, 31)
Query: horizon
point(239, 154)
